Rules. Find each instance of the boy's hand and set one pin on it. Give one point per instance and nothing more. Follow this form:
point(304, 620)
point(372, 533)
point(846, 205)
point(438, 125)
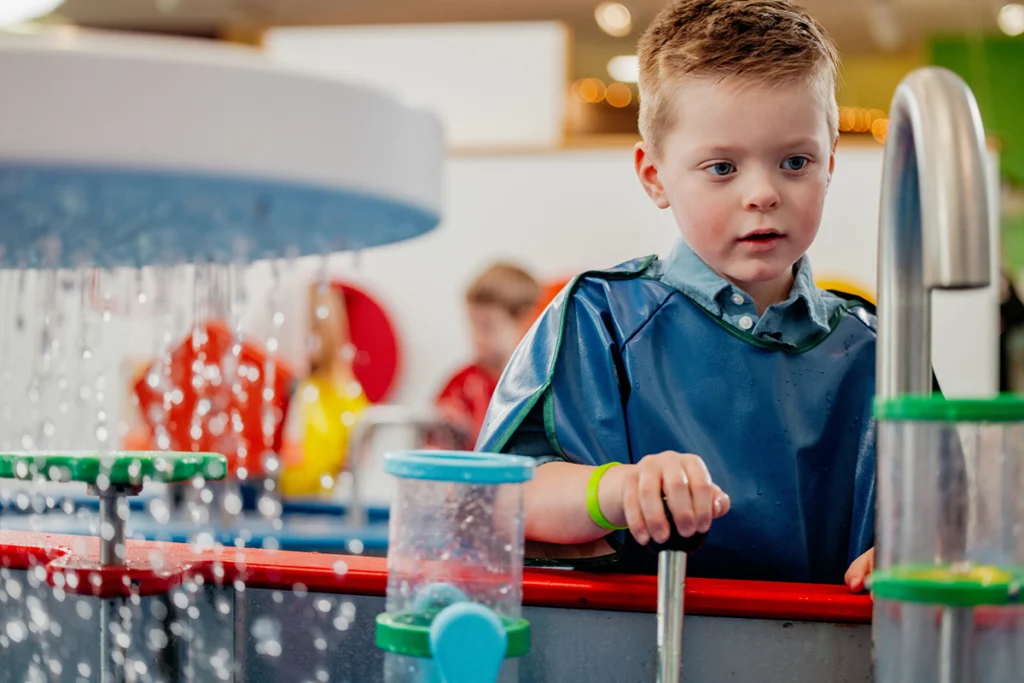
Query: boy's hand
point(684, 481)
point(859, 571)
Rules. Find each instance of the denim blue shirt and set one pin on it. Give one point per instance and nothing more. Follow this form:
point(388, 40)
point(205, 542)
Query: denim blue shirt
point(804, 314)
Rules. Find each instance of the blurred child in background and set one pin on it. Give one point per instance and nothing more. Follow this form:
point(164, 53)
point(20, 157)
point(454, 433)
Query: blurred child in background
point(326, 405)
point(500, 304)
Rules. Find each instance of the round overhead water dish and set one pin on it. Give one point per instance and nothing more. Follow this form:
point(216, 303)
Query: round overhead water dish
point(128, 150)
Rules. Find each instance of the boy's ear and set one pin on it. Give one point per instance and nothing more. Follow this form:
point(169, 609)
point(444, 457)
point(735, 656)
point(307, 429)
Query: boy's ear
point(832, 159)
point(647, 172)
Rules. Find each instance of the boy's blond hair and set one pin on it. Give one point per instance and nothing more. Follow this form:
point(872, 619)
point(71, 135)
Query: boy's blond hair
point(507, 286)
point(769, 41)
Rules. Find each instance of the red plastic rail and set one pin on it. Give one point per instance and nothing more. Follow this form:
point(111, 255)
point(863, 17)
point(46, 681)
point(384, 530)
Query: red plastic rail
point(72, 564)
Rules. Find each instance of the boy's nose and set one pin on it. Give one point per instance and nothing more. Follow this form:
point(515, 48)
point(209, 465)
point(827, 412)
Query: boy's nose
point(761, 195)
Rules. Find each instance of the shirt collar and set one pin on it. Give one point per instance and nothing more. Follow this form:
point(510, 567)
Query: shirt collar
point(684, 270)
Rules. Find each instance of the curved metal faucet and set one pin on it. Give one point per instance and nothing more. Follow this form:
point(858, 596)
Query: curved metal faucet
point(934, 228)
point(933, 234)
point(372, 421)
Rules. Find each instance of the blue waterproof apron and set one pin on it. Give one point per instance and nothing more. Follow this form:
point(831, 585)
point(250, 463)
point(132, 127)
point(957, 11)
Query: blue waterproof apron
point(622, 366)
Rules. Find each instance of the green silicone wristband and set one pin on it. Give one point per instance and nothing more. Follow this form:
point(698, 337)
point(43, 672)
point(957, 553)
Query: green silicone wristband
point(593, 505)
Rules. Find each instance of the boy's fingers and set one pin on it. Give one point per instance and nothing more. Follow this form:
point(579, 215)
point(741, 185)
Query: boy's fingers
point(649, 491)
point(676, 487)
point(702, 492)
point(858, 572)
point(721, 503)
point(631, 508)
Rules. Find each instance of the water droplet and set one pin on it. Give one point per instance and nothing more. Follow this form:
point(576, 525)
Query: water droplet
point(204, 541)
point(84, 670)
point(157, 639)
point(355, 546)
point(268, 506)
point(16, 631)
point(102, 434)
point(160, 511)
point(232, 503)
point(340, 568)
point(267, 631)
point(323, 605)
point(180, 600)
point(320, 644)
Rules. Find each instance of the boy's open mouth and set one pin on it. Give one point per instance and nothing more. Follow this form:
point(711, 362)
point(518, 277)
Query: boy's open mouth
point(762, 236)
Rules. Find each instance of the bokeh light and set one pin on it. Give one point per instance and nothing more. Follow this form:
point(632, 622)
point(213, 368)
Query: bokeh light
point(614, 19)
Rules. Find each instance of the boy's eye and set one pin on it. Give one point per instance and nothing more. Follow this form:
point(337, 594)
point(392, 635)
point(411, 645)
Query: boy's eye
point(795, 163)
point(722, 168)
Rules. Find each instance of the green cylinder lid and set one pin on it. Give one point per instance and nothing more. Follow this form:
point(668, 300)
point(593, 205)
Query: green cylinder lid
point(973, 586)
point(120, 468)
point(409, 634)
point(936, 408)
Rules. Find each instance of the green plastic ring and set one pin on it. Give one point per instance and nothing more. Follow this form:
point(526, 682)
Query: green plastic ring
point(121, 468)
point(939, 585)
point(935, 408)
point(409, 634)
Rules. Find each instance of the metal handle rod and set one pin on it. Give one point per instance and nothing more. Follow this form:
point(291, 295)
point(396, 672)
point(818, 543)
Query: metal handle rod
point(955, 645)
point(113, 552)
point(112, 547)
point(112, 655)
point(671, 585)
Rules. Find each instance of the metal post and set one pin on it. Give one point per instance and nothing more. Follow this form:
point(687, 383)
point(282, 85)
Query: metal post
point(113, 552)
point(671, 586)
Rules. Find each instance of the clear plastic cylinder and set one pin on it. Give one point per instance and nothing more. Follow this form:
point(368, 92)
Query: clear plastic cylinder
point(454, 541)
point(949, 546)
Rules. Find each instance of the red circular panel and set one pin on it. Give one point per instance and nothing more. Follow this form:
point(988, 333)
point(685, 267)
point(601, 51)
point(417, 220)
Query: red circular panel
point(378, 358)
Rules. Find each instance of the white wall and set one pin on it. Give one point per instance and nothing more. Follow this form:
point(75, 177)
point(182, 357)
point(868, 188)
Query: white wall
point(492, 84)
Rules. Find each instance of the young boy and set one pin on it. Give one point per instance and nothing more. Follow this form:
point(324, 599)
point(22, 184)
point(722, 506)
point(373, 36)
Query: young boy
point(721, 368)
point(500, 305)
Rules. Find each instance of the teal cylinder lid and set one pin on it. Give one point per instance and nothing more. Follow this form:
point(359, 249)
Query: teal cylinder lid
point(936, 408)
point(460, 467)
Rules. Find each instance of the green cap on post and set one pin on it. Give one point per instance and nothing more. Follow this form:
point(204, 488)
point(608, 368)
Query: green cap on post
point(936, 408)
point(122, 468)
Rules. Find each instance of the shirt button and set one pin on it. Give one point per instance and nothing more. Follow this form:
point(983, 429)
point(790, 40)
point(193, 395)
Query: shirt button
point(746, 322)
point(737, 299)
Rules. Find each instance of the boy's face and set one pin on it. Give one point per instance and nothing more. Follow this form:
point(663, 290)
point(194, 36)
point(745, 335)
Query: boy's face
point(744, 169)
point(496, 333)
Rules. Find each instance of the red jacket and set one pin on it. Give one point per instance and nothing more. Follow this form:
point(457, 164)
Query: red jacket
point(463, 405)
